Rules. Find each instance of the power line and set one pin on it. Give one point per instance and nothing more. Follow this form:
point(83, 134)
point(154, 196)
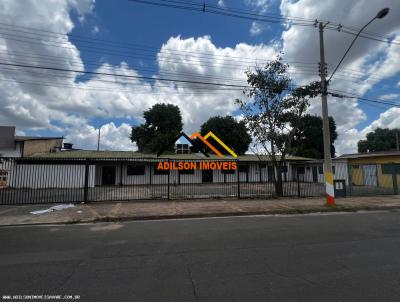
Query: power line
point(111, 52)
point(122, 75)
point(334, 93)
point(126, 45)
point(242, 14)
point(292, 69)
point(127, 91)
point(207, 8)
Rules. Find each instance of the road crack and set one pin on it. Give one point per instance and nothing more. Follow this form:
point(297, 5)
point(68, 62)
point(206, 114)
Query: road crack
point(193, 282)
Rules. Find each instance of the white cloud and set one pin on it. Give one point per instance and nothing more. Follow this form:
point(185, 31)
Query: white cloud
point(111, 137)
point(256, 28)
point(70, 111)
point(95, 29)
point(375, 61)
point(216, 62)
point(388, 119)
point(390, 96)
point(260, 5)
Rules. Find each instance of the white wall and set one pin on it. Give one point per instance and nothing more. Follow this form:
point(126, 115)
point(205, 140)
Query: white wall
point(47, 176)
point(341, 172)
point(72, 176)
point(12, 152)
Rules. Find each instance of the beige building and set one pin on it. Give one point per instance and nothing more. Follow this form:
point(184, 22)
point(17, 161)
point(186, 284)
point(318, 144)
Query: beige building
point(23, 146)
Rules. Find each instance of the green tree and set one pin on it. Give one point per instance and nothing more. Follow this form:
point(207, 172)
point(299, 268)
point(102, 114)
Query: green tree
point(272, 109)
point(308, 138)
point(233, 133)
point(163, 122)
point(382, 139)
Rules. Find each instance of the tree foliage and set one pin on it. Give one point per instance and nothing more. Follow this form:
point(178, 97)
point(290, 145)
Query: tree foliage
point(272, 110)
point(233, 133)
point(163, 122)
point(382, 139)
point(308, 138)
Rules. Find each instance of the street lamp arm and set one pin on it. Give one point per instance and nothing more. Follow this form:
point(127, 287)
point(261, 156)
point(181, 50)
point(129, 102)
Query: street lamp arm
point(348, 49)
point(380, 15)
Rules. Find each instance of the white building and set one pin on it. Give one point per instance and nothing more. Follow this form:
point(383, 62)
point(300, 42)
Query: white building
point(71, 169)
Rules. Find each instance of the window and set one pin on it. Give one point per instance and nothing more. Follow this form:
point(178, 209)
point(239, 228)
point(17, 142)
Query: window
point(228, 171)
point(136, 170)
point(320, 169)
point(182, 148)
point(187, 172)
point(333, 169)
point(390, 168)
point(300, 170)
point(243, 168)
point(159, 172)
point(284, 169)
point(356, 166)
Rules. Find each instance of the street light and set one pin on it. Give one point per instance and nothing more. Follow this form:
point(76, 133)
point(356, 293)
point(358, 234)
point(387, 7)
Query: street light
point(98, 139)
point(330, 195)
point(381, 14)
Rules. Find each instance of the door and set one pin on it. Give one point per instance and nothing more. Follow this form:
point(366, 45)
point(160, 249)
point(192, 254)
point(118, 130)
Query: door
point(369, 175)
point(207, 176)
point(108, 175)
point(314, 174)
point(271, 176)
point(263, 172)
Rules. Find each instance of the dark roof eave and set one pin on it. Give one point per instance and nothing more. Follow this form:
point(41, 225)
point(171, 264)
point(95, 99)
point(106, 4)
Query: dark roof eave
point(28, 138)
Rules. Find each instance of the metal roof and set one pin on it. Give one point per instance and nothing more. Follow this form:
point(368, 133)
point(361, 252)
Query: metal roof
point(20, 138)
point(131, 154)
point(369, 154)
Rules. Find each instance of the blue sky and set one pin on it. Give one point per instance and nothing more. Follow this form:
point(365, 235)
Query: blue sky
point(135, 32)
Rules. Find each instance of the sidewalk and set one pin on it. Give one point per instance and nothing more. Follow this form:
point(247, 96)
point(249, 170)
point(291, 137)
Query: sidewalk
point(142, 210)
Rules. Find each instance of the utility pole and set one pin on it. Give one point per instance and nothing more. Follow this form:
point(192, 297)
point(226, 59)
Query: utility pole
point(330, 193)
point(329, 189)
point(98, 140)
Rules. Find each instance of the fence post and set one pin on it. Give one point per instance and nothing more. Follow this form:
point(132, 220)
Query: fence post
point(349, 179)
point(394, 180)
point(298, 182)
point(169, 172)
point(238, 178)
point(86, 189)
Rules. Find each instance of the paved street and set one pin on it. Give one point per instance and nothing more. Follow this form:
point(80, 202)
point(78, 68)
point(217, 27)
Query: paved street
point(330, 257)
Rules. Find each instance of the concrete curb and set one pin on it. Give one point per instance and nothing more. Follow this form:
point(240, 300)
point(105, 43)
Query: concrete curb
point(294, 211)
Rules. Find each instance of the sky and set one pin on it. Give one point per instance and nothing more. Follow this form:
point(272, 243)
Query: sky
point(139, 40)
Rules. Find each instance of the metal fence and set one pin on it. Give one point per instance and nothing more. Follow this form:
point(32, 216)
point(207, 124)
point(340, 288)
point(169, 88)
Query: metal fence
point(47, 180)
point(373, 179)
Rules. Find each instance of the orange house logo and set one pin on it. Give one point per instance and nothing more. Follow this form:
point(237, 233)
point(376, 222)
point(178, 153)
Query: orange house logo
point(209, 145)
point(206, 165)
point(205, 140)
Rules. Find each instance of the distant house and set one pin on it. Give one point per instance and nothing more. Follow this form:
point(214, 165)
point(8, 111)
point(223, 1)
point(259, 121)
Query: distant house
point(17, 146)
point(67, 169)
point(12, 145)
point(374, 169)
point(313, 170)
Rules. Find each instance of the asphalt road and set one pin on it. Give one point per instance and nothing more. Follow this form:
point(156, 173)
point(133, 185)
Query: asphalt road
point(336, 257)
